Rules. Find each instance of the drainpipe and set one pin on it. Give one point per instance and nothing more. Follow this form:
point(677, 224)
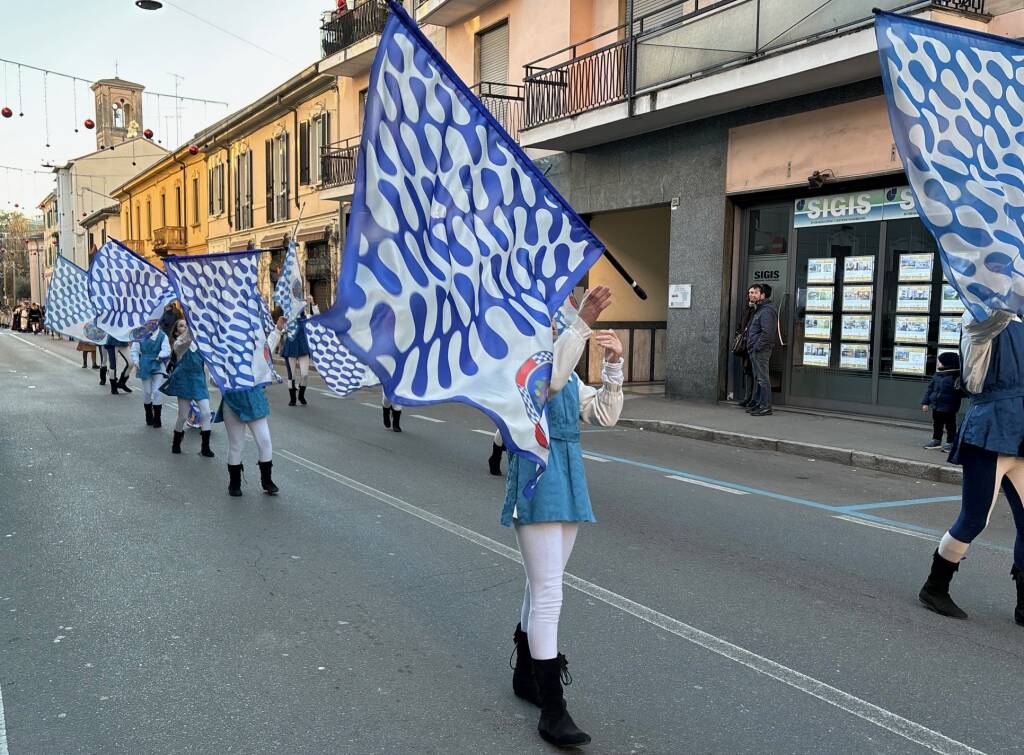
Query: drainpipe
point(184, 200)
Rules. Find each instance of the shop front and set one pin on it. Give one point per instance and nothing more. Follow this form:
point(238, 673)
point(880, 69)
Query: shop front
point(864, 307)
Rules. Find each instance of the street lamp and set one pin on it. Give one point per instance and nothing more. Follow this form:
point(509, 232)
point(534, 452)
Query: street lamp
point(149, 4)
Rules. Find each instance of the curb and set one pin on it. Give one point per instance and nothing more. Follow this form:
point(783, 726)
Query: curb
point(920, 470)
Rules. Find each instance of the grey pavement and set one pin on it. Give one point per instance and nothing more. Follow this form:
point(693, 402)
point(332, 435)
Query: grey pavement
point(728, 600)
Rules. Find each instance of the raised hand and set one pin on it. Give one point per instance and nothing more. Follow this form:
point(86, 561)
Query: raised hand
point(611, 343)
point(597, 300)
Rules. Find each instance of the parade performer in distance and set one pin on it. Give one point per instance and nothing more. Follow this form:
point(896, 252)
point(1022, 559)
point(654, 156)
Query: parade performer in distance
point(392, 413)
point(187, 382)
point(546, 524)
point(248, 408)
point(113, 349)
point(989, 447)
point(149, 357)
point(295, 349)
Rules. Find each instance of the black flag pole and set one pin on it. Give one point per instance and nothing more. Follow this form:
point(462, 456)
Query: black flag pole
point(629, 278)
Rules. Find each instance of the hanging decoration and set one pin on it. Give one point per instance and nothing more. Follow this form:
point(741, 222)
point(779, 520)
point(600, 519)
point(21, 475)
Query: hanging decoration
point(148, 133)
point(21, 102)
point(46, 112)
point(89, 123)
point(6, 112)
point(74, 100)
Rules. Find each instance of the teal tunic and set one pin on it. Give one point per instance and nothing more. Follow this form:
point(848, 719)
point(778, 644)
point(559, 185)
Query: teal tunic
point(149, 351)
point(249, 405)
point(188, 380)
point(561, 493)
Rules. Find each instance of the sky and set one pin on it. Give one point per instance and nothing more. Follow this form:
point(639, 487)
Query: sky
point(93, 39)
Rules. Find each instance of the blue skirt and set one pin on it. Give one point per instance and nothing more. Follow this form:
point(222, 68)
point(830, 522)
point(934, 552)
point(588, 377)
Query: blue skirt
point(186, 383)
point(561, 494)
point(296, 347)
point(249, 405)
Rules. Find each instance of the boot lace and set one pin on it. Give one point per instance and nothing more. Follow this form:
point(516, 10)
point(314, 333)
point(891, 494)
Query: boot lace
point(563, 670)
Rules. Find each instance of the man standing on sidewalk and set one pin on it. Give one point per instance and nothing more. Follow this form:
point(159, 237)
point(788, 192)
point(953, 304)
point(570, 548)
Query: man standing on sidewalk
point(762, 335)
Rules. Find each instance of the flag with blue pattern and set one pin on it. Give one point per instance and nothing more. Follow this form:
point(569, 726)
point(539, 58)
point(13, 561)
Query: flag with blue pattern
point(340, 370)
point(458, 250)
point(288, 293)
point(68, 308)
point(227, 316)
point(956, 107)
point(128, 293)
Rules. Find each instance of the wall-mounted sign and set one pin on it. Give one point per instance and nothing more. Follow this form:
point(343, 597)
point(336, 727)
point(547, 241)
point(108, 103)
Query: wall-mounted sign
point(913, 298)
point(817, 354)
point(856, 328)
point(951, 300)
point(857, 298)
point(911, 329)
point(856, 207)
point(679, 295)
point(916, 267)
point(819, 298)
point(909, 360)
point(949, 331)
point(859, 269)
point(854, 356)
point(821, 270)
point(818, 326)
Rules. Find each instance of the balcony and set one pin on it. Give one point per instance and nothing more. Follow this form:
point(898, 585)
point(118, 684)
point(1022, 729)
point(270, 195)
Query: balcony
point(349, 40)
point(505, 102)
point(448, 12)
point(699, 58)
point(338, 168)
point(168, 240)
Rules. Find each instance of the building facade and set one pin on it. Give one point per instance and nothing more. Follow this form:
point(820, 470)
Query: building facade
point(51, 237)
point(36, 251)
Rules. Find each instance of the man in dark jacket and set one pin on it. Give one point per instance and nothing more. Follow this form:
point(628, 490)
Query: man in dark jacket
point(744, 356)
point(943, 397)
point(762, 337)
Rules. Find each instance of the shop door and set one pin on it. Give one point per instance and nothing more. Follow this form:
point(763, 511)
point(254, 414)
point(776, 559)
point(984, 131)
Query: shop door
point(767, 246)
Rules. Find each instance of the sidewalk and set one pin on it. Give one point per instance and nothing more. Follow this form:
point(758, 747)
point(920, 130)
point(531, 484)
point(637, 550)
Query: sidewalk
point(886, 446)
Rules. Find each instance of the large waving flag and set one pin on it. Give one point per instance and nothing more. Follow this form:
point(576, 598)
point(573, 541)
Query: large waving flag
point(68, 309)
point(341, 371)
point(127, 292)
point(458, 250)
point(956, 107)
point(227, 316)
point(288, 292)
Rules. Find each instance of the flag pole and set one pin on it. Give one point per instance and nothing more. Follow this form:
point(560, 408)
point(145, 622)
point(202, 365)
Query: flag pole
point(298, 220)
point(629, 278)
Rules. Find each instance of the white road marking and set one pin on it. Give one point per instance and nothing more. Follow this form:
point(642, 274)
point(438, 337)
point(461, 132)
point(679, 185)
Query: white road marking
point(888, 528)
point(372, 406)
point(3, 727)
point(328, 393)
point(596, 458)
point(703, 484)
point(484, 432)
point(428, 419)
point(873, 714)
point(45, 351)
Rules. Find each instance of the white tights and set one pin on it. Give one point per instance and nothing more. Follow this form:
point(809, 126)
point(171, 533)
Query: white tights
point(545, 548)
point(151, 389)
point(185, 406)
point(388, 404)
point(300, 368)
point(260, 429)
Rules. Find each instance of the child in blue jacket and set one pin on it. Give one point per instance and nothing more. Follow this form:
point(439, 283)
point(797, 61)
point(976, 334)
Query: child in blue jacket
point(943, 397)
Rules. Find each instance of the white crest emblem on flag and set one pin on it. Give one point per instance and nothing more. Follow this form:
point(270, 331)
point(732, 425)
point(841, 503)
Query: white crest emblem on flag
point(68, 308)
point(458, 249)
point(227, 316)
point(127, 292)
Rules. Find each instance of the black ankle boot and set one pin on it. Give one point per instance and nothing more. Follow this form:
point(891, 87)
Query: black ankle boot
point(157, 411)
point(396, 420)
point(291, 397)
point(556, 725)
point(234, 479)
point(495, 461)
point(265, 480)
point(1018, 578)
point(205, 450)
point(387, 417)
point(176, 442)
point(103, 375)
point(149, 414)
point(935, 593)
point(302, 395)
point(113, 385)
point(123, 383)
point(524, 684)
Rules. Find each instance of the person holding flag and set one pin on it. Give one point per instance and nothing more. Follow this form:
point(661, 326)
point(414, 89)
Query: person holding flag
point(187, 382)
point(149, 358)
point(295, 349)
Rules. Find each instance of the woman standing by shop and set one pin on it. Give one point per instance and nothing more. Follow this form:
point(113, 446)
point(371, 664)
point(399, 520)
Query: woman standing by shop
point(546, 524)
point(188, 383)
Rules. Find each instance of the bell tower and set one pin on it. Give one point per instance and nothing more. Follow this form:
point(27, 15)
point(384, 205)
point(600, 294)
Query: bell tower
point(118, 111)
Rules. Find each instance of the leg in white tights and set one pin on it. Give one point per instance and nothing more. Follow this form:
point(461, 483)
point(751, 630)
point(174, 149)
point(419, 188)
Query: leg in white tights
point(260, 429)
point(545, 548)
point(151, 390)
point(300, 369)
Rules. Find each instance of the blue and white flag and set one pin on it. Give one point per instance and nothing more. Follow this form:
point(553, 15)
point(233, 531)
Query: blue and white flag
point(68, 309)
point(127, 292)
point(956, 107)
point(341, 371)
point(288, 292)
point(458, 251)
point(227, 316)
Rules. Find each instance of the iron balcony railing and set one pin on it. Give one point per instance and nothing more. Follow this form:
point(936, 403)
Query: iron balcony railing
point(683, 40)
point(338, 162)
point(505, 102)
point(169, 238)
point(342, 30)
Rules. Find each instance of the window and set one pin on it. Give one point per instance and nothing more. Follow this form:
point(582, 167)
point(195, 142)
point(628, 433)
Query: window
point(195, 200)
point(215, 188)
point(149, 219)
point(362, 107)
point(314, 135)
point(304, 153)
point(243, 190)
point(177, 206)
point(163, 209)
point(138, 221)
point(492, 54)
point(117, 116)
point(277, 177)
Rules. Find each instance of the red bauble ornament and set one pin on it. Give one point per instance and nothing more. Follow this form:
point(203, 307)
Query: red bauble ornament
point(6, 112)
point(193, 149)
point(89, 123)
point(148, 133)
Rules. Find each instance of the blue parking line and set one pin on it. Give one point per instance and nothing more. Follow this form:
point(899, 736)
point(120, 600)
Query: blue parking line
point(924, 530)
point(897, 504)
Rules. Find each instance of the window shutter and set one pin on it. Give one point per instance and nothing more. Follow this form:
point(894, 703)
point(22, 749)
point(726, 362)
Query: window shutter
point(209, 190)
point(238, 191)
point(270, 180)
point(285, 177)
point(248, 176)
point(304, 153)
point(220, 188)
point(492, 55)
point(669, 14)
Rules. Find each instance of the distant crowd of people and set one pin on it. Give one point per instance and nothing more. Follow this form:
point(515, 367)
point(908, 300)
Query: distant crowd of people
point(24, 317)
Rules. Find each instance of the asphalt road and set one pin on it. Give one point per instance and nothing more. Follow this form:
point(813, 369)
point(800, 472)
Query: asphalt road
point(727, 601)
